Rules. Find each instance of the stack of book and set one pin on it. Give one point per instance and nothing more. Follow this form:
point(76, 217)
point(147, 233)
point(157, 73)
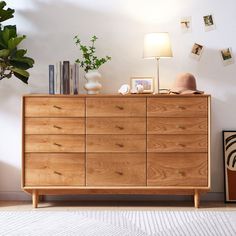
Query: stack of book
point(64, 78)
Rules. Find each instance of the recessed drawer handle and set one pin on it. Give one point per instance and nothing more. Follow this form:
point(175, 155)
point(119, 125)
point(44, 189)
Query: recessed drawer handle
point(181, 107)
point(120, 145)
point(57, 144)
point(182, 145)
point(119, 107)
point(119, 127)
point(118, 172)
point(57, 107)
point(57, 127)
point(181, 127)
point(57, 173)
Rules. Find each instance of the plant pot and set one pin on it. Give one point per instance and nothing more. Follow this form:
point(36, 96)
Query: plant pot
point(93, 86)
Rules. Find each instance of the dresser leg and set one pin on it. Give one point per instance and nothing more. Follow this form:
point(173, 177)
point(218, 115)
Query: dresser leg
point(196, 198)
point(41, 198)
point(35, 198)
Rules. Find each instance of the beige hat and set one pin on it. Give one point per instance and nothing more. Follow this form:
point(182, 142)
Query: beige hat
point(184, 84)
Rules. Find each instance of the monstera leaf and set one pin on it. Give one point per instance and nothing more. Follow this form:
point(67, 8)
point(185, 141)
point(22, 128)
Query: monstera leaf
point(13, 61)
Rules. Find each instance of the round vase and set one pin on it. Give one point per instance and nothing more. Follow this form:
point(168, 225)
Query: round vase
point(93, 86)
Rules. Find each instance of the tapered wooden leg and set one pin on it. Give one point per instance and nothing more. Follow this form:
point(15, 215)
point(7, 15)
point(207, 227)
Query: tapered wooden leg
point(196, 198)
point(35, 198)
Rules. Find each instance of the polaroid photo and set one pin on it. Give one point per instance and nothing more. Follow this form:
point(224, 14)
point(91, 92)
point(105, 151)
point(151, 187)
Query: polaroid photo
point(209, 22)
point(186, 24)
point(196, 51)
point(146, 82)
point(227, 56)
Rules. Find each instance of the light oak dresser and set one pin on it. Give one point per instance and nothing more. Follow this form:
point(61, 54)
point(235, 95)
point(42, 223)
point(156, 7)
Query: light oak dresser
point(114, 144)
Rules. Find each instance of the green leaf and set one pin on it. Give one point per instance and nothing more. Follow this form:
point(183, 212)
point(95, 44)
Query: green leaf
point(14, 42)
point(5, 14)
point(21, 77)
point(19, 71)
point(12, 31)
point(22, 63)
point(4, 53)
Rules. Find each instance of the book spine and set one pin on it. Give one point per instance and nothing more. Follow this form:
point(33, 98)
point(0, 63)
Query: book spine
point(51, 79)
point(66, 77)
point(57, 80)
point(61, 77)
point(71, 79)
point(76, 78)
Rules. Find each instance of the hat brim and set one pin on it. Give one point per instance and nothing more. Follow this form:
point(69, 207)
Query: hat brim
point(185, 91)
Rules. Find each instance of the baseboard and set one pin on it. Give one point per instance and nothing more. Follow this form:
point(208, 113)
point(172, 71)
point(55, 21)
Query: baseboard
point(22, 196)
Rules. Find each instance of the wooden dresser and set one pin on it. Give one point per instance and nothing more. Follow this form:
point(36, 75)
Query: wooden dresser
point(114, 144)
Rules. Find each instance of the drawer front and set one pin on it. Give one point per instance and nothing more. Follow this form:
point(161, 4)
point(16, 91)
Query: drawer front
point(116, 143)
point(54, 143)
point(116, 169)
point(116, 125)
point(177, 169)
point(54, 125)
point(177, 143)
point(116, 107)
point(45, 169)
point(177, 107)
point(158, 125)
point(54, 107)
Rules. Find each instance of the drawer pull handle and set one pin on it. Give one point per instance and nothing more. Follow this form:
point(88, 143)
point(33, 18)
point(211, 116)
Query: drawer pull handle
point(181, 107)
point(119, 127)
point(57, 173)
point(181, 127)
point(57, 144)
point(119, 173)
point(120, 145)
point(57, 127)
point(119, 107)
point(57, 107)
point(182, 145)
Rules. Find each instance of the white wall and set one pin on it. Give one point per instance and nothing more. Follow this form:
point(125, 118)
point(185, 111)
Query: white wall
point(120, 25)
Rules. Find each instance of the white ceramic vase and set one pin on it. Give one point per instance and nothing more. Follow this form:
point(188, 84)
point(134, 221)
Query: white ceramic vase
point(93, 86)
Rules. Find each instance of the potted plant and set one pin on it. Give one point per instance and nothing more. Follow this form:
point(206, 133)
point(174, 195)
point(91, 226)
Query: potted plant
point(91, 63)
point(12, 60)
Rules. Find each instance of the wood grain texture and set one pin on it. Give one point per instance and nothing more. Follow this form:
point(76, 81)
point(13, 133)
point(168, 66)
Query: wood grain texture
point(177, 143)
point(115, 125)
point(54, 107)
point(177, 169)
point(54, 143)
point(116, 107)
point(178, 107)
point(54, 169)
point(116, 143)
point(54, 125)
point(159, 125)
point(116, 169)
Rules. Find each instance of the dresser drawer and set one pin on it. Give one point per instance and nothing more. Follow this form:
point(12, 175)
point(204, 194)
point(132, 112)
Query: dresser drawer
point(177, 169)
point(116, 107)
point(54, 107)
point(54, 125)
point(177, 107)
point(116, 143)
point(54, 143)
point(177, 143)
point(116, 169)
point(159, 125)
point(54, 169)
point(116, 125)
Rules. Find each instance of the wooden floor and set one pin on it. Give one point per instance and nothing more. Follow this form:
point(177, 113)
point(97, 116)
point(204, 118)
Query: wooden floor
point(114, 205)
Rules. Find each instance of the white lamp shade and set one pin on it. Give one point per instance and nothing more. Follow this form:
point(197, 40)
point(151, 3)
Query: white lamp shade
point(157, 45)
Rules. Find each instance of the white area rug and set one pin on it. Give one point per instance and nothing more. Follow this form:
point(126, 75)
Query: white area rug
point(117, 223)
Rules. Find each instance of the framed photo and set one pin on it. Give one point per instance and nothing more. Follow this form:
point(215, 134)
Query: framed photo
point(229, 147)
point(209, 22)
point(186, 24)
point(146, 82)
point(226, 56)
point(196, 51)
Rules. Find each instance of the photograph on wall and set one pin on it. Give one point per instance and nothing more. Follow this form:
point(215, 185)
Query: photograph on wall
point(209, 22)
point(229, 146)
point(146, 82)
point(186, 24)
point(196, 51)
point(226, 56)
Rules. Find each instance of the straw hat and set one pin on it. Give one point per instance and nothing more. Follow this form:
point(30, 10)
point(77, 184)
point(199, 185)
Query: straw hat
point(185, 84)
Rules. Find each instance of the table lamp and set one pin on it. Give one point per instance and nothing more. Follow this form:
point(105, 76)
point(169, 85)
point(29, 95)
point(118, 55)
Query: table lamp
point(156, 46)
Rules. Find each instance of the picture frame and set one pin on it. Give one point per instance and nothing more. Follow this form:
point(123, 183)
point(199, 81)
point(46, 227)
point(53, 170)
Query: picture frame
point(196, 51)
point(226, 55)
point(229, 159)
point(209, 22)
point(147, 82)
